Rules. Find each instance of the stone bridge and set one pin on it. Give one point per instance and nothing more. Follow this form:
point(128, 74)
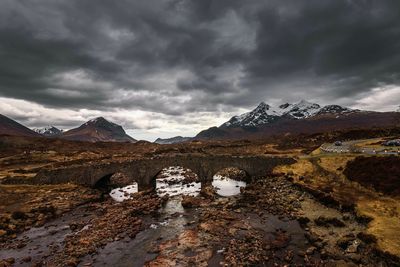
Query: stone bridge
point(144, 171)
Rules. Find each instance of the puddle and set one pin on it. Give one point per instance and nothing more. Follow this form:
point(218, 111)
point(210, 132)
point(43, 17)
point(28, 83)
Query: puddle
point(226, 186)
point(172, 181)
point(122, 193)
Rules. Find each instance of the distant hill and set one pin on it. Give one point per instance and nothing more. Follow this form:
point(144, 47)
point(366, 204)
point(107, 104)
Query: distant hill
point(302, 117)
point(172, 140)
point(11, 127)
point(49, 131)
point(98, 129)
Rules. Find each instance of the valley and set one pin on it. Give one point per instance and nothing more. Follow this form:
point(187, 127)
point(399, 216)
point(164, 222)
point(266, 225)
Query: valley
point(185, 133)
point(308, 210)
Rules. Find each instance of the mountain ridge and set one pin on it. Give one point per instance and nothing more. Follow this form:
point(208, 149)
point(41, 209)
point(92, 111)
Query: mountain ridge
point(265, 114)
point(172, 140)
point(9, 126)
point(301, 117)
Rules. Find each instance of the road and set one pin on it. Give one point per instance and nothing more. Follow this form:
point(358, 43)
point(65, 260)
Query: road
point(351, 147)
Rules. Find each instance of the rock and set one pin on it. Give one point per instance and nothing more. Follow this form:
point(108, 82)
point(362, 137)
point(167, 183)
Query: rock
point(12, 227)
point(26, 259)
point(2, 232)
point(208, 192)
point(72, 262)
point(352, 248)
point(303, 220)
point(310, 250)
point(18, 215)
point(21, 245)
point(345, 241)
point(190, 202)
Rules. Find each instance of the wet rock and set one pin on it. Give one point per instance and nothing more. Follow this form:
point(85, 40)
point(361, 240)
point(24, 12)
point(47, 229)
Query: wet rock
point(190, 202)
point(7, 262)
point(281, 240)
point(208, 191)
point(26, 259)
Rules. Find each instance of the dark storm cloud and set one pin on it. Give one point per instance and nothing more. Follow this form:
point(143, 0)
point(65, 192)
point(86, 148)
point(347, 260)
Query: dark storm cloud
point(178, 56)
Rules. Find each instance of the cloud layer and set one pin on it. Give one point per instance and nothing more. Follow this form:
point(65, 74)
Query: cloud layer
point(165, 66)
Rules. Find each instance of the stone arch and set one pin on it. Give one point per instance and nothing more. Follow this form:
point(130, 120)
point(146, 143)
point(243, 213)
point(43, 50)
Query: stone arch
point(154, 177)
point(229, 172)
point(103, 182)
point(112, 180)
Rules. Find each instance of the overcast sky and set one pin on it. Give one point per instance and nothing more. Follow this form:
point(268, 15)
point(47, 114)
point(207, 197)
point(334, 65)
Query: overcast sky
point(175, 67)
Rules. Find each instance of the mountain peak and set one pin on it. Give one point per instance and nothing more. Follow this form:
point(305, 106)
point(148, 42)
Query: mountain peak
point(98, 120)
point(49, 130)
point(263, 105)
point(98, 129)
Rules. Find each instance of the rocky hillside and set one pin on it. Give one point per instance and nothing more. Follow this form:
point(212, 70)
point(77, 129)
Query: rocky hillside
point(98, 129)
point(11, 127)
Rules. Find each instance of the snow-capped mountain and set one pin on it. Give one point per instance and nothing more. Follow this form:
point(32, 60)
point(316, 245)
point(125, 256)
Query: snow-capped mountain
point(262, 114)
point(48, 131)
point(265, 114)
point(335, 109)
point(299, 118)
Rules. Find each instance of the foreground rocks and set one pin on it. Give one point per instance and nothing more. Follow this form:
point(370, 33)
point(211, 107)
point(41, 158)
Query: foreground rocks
point(27, 206)
point(272, 223)
point(116, 221)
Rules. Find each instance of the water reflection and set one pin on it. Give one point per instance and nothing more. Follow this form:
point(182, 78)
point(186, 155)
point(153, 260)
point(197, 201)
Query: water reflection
point(172, 181)
point(226, 186)
point(122, 193)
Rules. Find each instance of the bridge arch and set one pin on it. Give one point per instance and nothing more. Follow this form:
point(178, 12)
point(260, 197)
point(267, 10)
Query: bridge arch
point(234, 173)
point(113, 180)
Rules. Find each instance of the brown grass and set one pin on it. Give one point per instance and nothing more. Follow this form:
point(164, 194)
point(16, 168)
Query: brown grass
point(324, 172)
